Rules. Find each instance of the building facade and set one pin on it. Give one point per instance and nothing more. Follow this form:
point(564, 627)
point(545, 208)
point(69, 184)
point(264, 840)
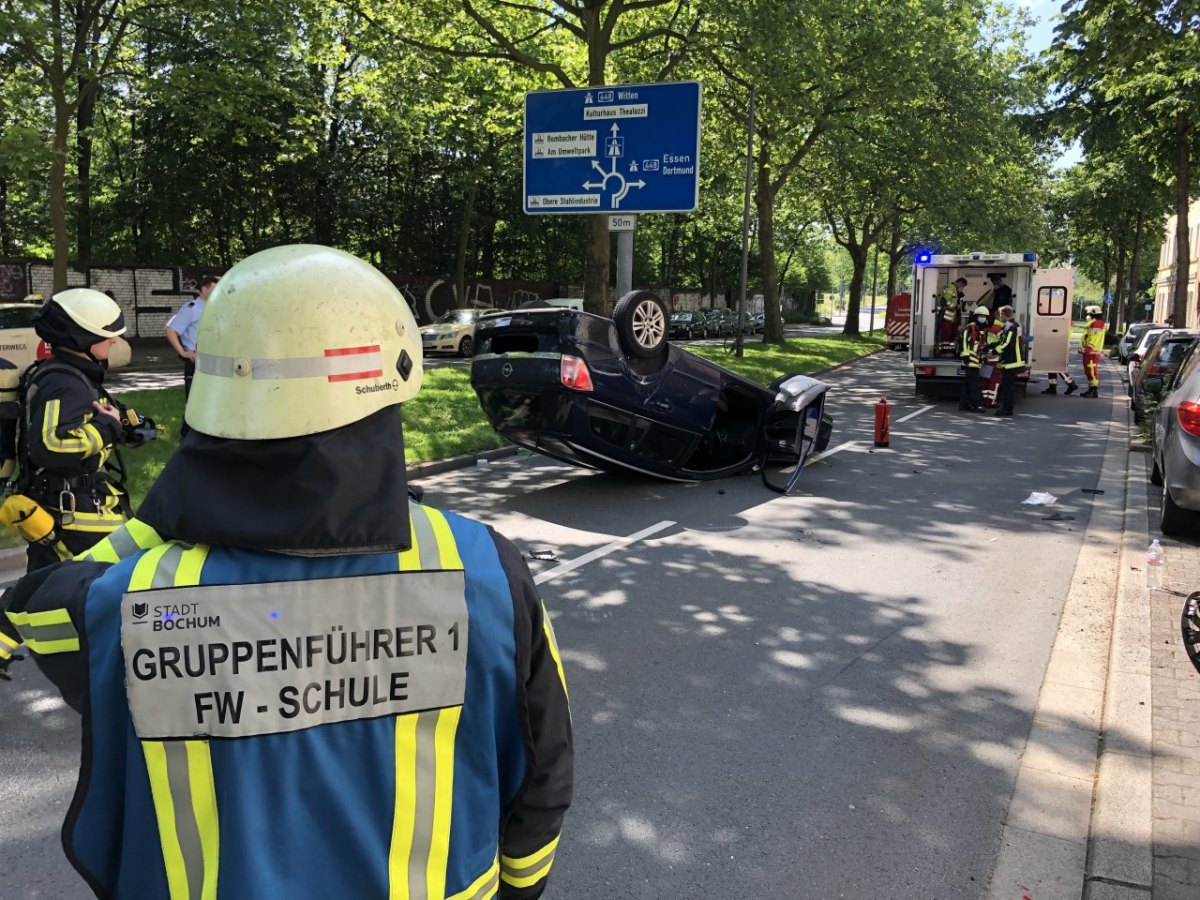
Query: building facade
point(1164, 284)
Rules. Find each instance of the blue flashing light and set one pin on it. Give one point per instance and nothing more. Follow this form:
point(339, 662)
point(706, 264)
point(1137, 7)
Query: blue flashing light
point(924, 257)
point(1030, 257)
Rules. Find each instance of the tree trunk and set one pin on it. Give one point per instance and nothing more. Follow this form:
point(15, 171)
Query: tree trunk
point(85, 117)
point(464, 240)
point(858, 276)
point(5, 231)
point(1183, 254)
point(1135, 268)
point(764, 201)
point(58, 183)
point(1119, 286)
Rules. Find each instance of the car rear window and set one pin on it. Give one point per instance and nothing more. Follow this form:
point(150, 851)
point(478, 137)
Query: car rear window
point(18, 317)
point(1173, 351)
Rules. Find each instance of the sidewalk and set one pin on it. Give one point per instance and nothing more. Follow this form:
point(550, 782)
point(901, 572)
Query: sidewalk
point(1107, 800)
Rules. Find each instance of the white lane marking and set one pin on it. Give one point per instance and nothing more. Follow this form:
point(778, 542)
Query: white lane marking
point(601, 551)
point(820, 456)
point(913, 415)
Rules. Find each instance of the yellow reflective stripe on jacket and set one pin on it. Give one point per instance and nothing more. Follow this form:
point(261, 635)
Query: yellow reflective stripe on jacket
point(185, 804)
point(552, 642)
point(7, 646)
point(482, 888)
point(528, 870)
point(83, 440)
point(94, 521)
point(424, 748)
point(180, 772)
point(46, 632)
point(433, 546)
point(420, 845)
point(128, 540)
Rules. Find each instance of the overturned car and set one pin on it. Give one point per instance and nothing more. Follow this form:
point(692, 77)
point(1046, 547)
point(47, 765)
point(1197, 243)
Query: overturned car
point(614, 394)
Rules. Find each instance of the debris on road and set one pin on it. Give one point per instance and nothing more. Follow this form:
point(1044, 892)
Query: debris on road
point(1038, 498)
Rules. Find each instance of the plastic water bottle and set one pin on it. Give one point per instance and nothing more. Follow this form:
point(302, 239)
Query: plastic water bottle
point(1156, 559)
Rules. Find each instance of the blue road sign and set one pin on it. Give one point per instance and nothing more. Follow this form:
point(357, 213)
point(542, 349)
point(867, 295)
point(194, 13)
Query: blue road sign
point(1108, 298)
point(629, 148)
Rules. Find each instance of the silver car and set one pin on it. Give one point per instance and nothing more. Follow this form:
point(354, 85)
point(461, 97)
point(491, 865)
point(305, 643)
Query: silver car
point(1175, 448)
point(1130, 339)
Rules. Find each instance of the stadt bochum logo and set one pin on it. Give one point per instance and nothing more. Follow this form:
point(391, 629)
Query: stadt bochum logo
point(140, 610)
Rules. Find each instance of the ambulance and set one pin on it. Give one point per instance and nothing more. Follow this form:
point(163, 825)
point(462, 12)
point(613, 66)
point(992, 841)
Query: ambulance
point(1040, 297)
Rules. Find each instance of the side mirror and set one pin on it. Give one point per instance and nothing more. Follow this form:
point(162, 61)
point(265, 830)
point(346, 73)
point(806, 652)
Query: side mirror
point(1154, 386)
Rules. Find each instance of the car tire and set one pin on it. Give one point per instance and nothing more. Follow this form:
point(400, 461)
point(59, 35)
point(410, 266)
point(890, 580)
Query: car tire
point(466, 347)
point(1173, 520)
point(641, 320)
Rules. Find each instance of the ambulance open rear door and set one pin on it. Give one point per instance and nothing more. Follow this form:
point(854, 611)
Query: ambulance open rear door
point(1050, 325)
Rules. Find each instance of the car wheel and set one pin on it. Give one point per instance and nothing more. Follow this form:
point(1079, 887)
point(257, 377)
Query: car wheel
point(641, 320)
point(1174, 520)
point(466, 346)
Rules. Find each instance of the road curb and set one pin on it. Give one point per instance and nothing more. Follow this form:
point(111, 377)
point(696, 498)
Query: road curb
point(1064, 786)
point(1120, 839)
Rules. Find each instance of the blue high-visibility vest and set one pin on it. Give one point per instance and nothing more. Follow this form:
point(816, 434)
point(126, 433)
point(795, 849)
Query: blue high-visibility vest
point(357, 800)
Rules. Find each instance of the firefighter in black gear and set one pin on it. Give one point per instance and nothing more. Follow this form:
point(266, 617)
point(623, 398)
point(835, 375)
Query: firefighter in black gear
point(69, 428)
point(971, 342)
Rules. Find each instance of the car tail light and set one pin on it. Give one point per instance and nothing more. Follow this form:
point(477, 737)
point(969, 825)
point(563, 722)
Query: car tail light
point(925, 370)
point(573, 373)
point(1189, 417)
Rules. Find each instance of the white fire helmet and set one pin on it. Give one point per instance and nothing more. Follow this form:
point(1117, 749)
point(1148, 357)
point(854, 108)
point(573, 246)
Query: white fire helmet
point(1092, 310)
point(298, 340)
point(94, 312)
point(982, 311)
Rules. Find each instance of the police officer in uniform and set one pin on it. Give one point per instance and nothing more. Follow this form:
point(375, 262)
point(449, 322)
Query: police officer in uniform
point(299, 682)
point(69, 425)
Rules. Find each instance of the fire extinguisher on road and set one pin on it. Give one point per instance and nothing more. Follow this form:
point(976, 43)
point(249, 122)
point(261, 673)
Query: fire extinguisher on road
point(883, 423)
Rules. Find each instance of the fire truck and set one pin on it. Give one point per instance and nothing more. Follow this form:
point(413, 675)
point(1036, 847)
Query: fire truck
point(1040, 297)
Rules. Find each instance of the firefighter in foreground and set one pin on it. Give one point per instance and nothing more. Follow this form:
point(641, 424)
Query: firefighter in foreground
point(296, 682)
point(1091, 345)
point(69, 490)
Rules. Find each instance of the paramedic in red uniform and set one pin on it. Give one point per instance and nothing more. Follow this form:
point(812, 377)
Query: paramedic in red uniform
point(1091, 346)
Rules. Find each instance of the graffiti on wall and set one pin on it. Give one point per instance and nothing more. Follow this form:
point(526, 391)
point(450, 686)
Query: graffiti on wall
point(13, 286)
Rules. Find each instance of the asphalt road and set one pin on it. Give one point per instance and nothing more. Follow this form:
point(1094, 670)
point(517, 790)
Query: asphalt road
point(824, 695)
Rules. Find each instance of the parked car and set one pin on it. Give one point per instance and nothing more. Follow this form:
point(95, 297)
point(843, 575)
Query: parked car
point(1162, 360)
point(686, 325)
point(1175, 447)
point(1135, 356)
point(452, 332)
point(718, 319)
point(760, 322)
point(20, 345)
point(1129, 340)
point(613, 394)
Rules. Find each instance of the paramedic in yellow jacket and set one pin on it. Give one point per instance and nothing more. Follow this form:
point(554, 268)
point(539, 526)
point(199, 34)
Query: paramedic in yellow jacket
point(1091, 345)
point(399, 725)
point(949, 301)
